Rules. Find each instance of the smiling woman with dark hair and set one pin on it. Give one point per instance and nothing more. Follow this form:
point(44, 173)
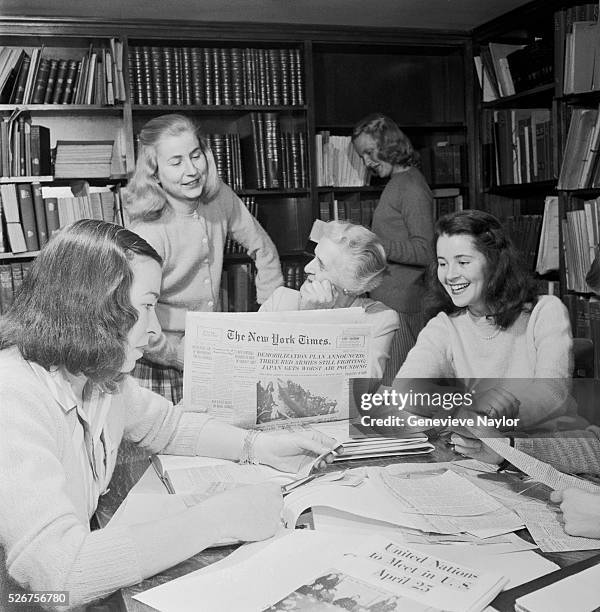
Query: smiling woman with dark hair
point(491, 325)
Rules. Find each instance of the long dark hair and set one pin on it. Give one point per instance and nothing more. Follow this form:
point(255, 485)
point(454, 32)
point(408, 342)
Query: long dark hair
point(74, 308)
point(509, 289)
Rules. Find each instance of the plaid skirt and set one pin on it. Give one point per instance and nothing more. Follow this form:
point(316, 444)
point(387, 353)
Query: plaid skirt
point(164, 380)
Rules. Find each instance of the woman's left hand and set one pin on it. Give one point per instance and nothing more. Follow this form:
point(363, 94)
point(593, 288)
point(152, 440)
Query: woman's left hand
point(293, 451)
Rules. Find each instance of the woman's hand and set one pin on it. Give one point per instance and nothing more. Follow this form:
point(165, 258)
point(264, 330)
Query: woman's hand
point(317, 295)
point(248, 513)
point(475, 448)
point(496, 403)
point(581, 511)
point(293, 451)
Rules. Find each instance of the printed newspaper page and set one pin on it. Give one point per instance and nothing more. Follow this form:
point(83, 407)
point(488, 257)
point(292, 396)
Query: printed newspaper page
point(250, 369)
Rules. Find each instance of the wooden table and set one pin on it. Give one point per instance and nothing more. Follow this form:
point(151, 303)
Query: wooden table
point(134, 465)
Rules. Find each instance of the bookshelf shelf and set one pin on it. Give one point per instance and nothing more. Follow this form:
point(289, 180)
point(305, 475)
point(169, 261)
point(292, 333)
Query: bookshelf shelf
point(243, 258)
point(517, 189)
point(215, 109)
point(273, 192)
point(425, 126)
point(26, 179)
point(537, 96)
point(93, 109)
point(261, 116)
point(591, 192)
point(361, 189)
point(585, 97)
point(17, 256)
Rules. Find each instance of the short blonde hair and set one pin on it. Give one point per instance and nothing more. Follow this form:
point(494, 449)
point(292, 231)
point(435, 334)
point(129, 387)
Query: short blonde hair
point(365, 266)
point(146, 199)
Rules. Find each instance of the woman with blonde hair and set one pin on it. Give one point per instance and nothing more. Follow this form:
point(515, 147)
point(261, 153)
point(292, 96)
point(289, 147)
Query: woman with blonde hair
point(177, 202)
point(403, 220)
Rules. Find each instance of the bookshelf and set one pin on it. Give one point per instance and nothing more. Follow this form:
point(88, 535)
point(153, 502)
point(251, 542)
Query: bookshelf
point(568, 91)
point(262, 94)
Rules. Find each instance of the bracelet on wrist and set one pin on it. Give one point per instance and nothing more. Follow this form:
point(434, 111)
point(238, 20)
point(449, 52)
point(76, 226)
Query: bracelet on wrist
point(247, 455)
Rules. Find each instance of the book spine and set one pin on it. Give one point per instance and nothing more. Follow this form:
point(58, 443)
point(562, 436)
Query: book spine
point(40, 214)
point(19, 89)
point(59, 85)
point(41, 82)
point(27, 212)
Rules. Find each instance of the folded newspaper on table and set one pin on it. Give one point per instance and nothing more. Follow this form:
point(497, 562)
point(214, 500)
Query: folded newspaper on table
point(282, 369)
point(308, 570)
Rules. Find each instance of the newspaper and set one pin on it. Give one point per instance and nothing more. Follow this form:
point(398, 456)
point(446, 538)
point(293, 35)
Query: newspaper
point(266, 369)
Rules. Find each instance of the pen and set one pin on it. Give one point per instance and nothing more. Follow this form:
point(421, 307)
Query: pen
point(288, 488)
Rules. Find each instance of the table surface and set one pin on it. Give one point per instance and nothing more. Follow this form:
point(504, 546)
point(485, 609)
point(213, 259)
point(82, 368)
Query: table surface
point(133, 464)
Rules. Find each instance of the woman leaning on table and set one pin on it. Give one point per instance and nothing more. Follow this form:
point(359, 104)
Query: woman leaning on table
point(572, 452)
point(177, 202)
point(403, 220)
point(491, 328)
point(80, 322)
point(349, 261)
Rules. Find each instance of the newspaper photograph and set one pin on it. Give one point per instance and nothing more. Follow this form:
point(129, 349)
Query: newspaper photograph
point(269, 370)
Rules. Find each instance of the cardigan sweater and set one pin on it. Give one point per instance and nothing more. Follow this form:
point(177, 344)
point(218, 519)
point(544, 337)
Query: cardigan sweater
point(45, 537)
point(535, 353)
point(384, 322)
point(192, 246)
point(403, 220)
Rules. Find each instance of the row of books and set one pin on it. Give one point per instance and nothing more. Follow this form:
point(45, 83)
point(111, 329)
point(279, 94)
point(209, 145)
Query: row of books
point(85, 158)
point(446, 201)
point(233, 247)
point(507, 69)
point(443, 163)
point(518, 146)
point(293, 274)
point(11, 279)
point(351, 207)
point(338, 164)
point(216, 76)
point(581, 164)
point(585, 322)
point(581, 234)
point(237, 292)
point(272, 157)
point(524, 232)
point(576, 53)
point(30, 213)
point(24, 147)
point(28, 76)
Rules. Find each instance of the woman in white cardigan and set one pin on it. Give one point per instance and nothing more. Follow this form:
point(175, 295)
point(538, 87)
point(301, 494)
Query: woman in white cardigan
point(81, 320)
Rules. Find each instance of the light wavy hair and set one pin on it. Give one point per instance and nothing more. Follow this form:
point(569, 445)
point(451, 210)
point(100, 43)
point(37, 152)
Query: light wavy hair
point(146, 199)
point(393, 145)
point(364, 265)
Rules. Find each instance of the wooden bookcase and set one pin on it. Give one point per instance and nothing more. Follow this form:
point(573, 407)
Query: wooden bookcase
point(571, 56)
point(314, 79)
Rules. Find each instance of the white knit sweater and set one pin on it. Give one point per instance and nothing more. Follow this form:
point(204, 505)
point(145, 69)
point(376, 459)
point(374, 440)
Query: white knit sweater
point(535, 353)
